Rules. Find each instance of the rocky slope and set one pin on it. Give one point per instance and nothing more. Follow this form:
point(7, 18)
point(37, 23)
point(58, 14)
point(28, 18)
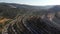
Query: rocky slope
point(33, 25)
point(30, 19)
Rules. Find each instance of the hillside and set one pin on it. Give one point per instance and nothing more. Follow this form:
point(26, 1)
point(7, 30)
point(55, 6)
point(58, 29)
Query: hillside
point(33, 25)
point(27, 19)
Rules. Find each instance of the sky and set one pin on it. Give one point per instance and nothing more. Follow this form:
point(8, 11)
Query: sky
point(34, 2)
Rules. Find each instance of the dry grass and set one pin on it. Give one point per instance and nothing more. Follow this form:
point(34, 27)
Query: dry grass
point(3, 20)
point(2, 23)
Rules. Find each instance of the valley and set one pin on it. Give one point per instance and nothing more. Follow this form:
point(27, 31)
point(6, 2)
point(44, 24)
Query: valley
point(27, 19)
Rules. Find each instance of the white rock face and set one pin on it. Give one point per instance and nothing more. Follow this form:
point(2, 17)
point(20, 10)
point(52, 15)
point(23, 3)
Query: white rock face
point(12, 6)
point(50, 16)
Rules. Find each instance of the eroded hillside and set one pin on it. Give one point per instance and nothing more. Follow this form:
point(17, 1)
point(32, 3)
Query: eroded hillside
point(32, 25)
point(25, 19)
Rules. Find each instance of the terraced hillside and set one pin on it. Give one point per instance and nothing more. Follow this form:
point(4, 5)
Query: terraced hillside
point(25, 19)
point(32, 25)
